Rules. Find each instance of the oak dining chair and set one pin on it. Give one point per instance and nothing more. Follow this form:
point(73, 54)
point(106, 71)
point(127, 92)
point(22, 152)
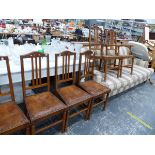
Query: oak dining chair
point(44, 105)
point(12, 119)
point(73, 96)
point(86, 80)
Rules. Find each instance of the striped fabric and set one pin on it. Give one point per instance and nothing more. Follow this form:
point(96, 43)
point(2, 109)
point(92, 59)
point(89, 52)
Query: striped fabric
point(124, 51)
point(118, 85)
point(141, 63)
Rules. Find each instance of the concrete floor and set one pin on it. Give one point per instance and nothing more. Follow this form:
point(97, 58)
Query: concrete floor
point(140, 101)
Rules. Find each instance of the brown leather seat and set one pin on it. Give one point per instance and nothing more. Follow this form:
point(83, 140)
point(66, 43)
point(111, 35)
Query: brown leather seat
point(94, 88)
point(42, 105)
point(12, 119)
point(73, 95)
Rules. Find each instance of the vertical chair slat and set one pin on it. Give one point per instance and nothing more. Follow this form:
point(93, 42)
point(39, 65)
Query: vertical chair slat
point(36, 67)
point(66, 68)
point(48, 72)
point(74, 62)
point(56, 70)
point(85, 66)
point(32, 63)
point(88, 66)
point(97, 35)
point(23, 76)
point(63, 67)
point(68, 63)
point(39, 70)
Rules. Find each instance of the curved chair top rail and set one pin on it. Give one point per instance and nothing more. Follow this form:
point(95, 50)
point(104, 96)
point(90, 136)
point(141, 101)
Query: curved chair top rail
point(88, 52)
point(34, 54)
point(65, 53)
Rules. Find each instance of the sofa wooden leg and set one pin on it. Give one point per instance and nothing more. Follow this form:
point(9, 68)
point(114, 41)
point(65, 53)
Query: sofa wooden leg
point(150, 81)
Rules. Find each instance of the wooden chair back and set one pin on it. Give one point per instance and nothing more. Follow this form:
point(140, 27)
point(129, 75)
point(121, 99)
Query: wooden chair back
point(11, 91)
point(65, 58)
point(35, 60)
point(86, 66)
point(110, 37)
point(95, 36)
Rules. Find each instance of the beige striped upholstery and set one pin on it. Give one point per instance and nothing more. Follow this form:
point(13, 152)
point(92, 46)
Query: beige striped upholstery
point(118, 85)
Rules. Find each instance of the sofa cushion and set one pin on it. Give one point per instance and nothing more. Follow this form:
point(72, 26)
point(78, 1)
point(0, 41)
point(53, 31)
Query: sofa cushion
point(141, 62)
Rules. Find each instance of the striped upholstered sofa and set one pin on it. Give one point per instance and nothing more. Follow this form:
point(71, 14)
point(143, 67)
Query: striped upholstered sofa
point(141, 73)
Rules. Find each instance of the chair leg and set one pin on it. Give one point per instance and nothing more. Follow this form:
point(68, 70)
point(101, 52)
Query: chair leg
point(28, 131)
point(64, 122)
point(106, 100)
point(120, 68)
point(33, 130)
point(90, 109)
point(100, 64)
point(87, 117)
point(132, 66)
point(105, 71)
point(115, 63)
